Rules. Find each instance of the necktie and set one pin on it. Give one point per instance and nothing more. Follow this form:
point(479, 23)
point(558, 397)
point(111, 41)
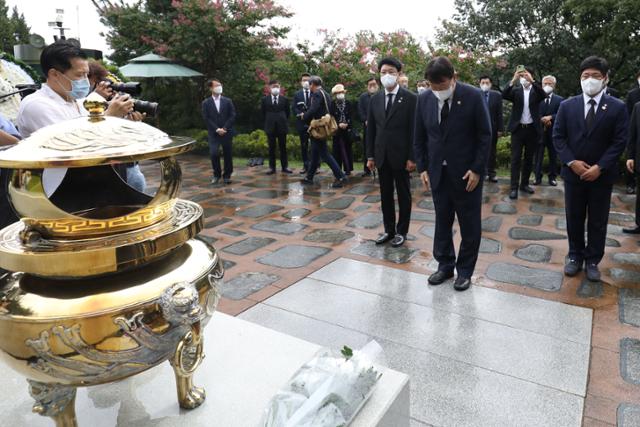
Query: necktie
point(275, 100)
point(591, 114)
point(444, 114)
point(486, 97)
point(389, 104)
point(548, 100)
point(306, 97)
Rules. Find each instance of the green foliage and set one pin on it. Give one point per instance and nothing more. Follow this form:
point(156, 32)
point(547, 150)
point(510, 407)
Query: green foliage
point(13, 29)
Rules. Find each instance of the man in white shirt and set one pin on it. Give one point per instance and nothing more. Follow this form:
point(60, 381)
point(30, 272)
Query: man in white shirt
point(66, 67)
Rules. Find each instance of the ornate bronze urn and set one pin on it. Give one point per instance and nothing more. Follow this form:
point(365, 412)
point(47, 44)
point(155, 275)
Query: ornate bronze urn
point(103, 281)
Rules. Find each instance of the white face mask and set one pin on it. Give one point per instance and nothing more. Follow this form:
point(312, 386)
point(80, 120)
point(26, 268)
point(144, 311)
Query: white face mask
point(388, 80)
point(524, 82)
point(485, 87)
point(340, 97)
point(443, 95)
point(217, 90)
point(305, 84)
point(592, 86)
point(547, 89)
point(421, 89)
point(275, 91)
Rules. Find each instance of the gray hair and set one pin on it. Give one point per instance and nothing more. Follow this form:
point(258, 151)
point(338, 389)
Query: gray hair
point(315, 80)
point(550, 77)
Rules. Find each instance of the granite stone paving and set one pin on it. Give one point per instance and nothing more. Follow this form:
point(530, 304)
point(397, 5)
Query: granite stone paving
point(627, 258)
point(630, 360)
point(229, 202)
point(245, 284)
point(626, 276)
point(629, 302)
point(268, 194)
point(505, 208)
point(589, 289)
point(534, 253)
point(328, 235)
point(490, 246)
point(258, 211)
point(426, 204)
point(360, 208)
point(491, 224)
point(328, 217)
point(423, 216)
point(547, 208)
point(296, 213)
point(367, 221)
point(530, 220)
point(279, 227)
point(372, 199)
point(400, 255)
point(360, 190)
point(628, 415)
point(293, 256)
point(248, 245)
point(215, 222)
point(546, 280)
point(339, 203)
point(523, 233)
point(231, 232)
point(208, 239)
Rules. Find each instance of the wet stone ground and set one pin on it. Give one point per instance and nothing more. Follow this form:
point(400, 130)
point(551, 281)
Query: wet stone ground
point(272, 231)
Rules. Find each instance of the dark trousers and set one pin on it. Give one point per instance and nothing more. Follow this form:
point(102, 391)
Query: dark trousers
point(214, 151)
point(491, 166)
point(547, 142)
point(319, 151)
point(588, 201)
point(629, 178)
point(343, 151)
point(397, 179)
point(304, 148)
point(524, 138)
point(7, 216)
point(450, 201)
point(364, 150)
point(282, 143)
point(638, 203)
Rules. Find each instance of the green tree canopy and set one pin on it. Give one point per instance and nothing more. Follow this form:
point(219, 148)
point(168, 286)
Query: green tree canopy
point(13, 29)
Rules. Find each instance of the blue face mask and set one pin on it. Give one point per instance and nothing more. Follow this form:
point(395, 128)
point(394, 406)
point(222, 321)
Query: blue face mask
point(79, 88)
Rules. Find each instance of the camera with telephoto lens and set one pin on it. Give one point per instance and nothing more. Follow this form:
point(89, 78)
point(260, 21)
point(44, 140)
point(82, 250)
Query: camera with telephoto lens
point(147, 107)
point(134, 89)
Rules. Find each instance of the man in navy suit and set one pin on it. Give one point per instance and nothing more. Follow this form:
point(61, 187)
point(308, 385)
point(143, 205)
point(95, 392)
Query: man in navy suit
point(633, 160)
point(590, 134)
point(548, 110)
point(524, 126)
point(275, 112)
point(301, 103)
point(633, 97)
point(363, 113)
point(219, 114)
point(452, 142)
point(493, 98)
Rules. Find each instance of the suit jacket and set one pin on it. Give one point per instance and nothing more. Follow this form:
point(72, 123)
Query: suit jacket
point(335, 112)
point(276, 117)
point(390, 138)
point(632, 99)
point(550, 110)
point(363, 106)
point(300, 107)
point(633, 147)
point(602, 145)
point(515, 94)
point(495, 112)
point(318, 106)
point(465, 140)
point(214, 120)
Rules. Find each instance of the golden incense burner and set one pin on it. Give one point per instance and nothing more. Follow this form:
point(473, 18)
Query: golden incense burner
point(102, 282)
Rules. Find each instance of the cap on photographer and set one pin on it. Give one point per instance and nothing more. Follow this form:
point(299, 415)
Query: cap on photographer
point(66, 68)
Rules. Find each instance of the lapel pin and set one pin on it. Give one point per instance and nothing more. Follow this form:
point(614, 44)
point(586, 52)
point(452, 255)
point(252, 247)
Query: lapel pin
point(604, 107)
point(459, 102)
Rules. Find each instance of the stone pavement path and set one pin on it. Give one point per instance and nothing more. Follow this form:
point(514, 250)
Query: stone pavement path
point(272, 232)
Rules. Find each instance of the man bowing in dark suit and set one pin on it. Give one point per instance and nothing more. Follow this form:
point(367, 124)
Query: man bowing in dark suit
point(219, 114)
point(524, 126)
point(590, 134)
point(275, 111)
point(493, 98)
point(452, 142)
point(390, 126)
point(548, 110)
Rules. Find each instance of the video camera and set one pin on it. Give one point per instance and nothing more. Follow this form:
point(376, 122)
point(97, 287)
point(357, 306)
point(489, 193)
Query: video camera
point(135, 89)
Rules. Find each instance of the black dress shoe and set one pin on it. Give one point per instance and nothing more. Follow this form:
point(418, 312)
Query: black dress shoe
point(635, 230)
point(285, 170)
point(572, 267)
point(307, 181)
point(631, 189)
point(492, 178)
point(227, 181)
point(271, 172)
point(553, 182)
point(513, 194)
point(398, 240)
point(593, 274)
point(462, 283)
point(384, 238)
point(303, 171)
point(537, 182)
point(527, 189)
point(215, 180)
point(439, 277)
point(363, 174)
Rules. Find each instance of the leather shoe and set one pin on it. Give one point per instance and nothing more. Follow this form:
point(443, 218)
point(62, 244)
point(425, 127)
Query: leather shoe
point(271, 172)
point(384, 238)
point(307, 181)
point(537, 182)
point(492, 178)
point(593, 274)
point(572, 267)
point(635, 230)
point(553, 182)
point(227, 181)
point(439, 277)
point(513, 194)
point(215, 180)
point(462, 283)
point(303, 171)
point(398, 240)
point(527, 189)
point(285, 170)
point(631, 189)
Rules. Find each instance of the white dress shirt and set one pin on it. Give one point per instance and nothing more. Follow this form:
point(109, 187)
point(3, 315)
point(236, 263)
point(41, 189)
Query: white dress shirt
point(393, 98)
point(440, 105)
point(216, 101)
point(526, 118)
point(586, 98)
point(42, 108)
